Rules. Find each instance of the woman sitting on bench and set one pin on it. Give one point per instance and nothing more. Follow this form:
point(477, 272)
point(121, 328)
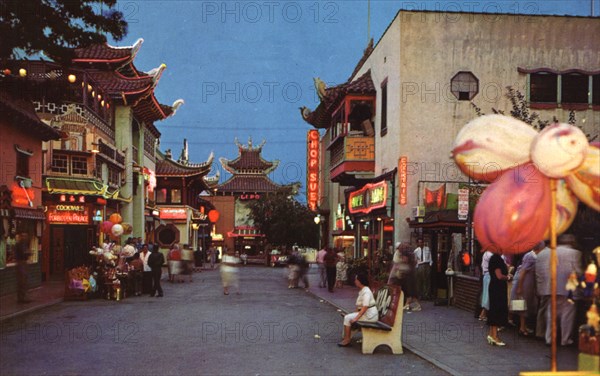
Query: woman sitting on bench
point(366, 308)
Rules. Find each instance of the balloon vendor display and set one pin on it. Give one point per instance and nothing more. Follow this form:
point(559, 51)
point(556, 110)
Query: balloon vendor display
point(535, 180)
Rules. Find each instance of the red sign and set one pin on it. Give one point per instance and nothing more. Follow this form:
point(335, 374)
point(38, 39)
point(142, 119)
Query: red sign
point(250, 197)
point(68, 214)
point(403, 180)
point(369, 197)
point(173, 213)
point(22, 196)
point(312, 171)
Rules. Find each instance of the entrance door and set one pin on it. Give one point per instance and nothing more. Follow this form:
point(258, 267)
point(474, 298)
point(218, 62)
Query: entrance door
point(57, 245)
point(75, 246)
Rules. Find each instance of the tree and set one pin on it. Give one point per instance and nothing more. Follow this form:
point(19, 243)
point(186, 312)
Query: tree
point(284, 220)
point(55, 27)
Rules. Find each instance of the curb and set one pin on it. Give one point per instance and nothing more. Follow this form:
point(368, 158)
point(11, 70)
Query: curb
point(31, 309)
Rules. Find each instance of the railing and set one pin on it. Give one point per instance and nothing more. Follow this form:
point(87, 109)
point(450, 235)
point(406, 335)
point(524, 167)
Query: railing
point(356, 148)
point(111, 153)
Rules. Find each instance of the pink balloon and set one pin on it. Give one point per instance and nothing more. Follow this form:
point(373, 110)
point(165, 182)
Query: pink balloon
point(513, 212)
point(107, 226)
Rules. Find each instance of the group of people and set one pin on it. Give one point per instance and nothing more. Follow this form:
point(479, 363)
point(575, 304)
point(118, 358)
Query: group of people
point(144, 263)
point(529, 297)
point(333, 268)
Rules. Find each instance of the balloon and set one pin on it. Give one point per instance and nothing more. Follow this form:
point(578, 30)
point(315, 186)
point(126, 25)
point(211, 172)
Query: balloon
point(558, 150)
point(213, 216)
point(117, 230)
point(107, 226)
point(127, 228)
point(115, 218)
point(491, 144)
point(566, 208)
point(513, 212)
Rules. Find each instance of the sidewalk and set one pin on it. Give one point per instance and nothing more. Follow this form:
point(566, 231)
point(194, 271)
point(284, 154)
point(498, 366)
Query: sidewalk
point(47, 294)
point(455, 341)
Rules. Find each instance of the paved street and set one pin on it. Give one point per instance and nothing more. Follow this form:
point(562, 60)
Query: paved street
point(195, 329)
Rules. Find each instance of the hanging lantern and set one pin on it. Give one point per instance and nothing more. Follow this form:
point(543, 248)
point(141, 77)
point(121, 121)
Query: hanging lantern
point(93, 93)
point(72, 78)
point(99, 97)
point(213, 216)
point(6, 72)
point(115, 218)
point(89, 88)
point(102, 103)
point(22, 72)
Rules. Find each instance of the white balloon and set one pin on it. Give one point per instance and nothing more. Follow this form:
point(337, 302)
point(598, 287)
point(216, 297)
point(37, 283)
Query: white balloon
point(117, 230)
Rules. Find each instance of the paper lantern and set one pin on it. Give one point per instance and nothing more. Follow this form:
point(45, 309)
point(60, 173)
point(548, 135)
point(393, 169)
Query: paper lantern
point(213, 216)
point(115, 218)
point(117, 230)
point(127, 228)
point(107, 226)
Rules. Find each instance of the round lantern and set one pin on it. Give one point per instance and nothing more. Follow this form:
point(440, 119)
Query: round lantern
point(213, 216)
point(115, 218)
point(127, 228)
point(107, 226)
point(117, 230)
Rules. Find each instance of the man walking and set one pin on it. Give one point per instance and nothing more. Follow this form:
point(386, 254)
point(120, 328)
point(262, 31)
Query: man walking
point(423, 263)
point(22, 255)
point(156, 261)
point(321, 265)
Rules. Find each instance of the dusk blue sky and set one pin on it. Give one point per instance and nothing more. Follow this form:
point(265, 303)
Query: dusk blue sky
point(245, 67)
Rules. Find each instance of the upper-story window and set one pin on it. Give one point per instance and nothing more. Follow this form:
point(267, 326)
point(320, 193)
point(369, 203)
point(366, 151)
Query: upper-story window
point(596, 89)
point(176, 196)
point(354, 115)
point(384, 99)
point(574, 88)
point(464, 86)
point(161, 196)
point(543, 87)
point(23, 157)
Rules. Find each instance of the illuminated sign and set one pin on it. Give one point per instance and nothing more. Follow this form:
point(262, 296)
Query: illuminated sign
point(370, 197)
point(173, 213)
point(22, 196)
point(68, 214)
point(250, 197)
point(312, 171)
point(403, 180)
point(463, 204)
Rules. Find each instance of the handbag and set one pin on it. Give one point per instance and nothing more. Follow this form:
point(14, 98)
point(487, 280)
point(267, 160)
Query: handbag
point(518, 305)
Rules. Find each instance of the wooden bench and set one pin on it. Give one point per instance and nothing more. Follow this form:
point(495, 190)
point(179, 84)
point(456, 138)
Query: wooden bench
point(388, 329)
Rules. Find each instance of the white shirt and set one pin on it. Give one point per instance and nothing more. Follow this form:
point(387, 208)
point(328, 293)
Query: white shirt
point(423, 255)
point(144, 259)
point(227, 259)
point(366, 299)
point(485, 262)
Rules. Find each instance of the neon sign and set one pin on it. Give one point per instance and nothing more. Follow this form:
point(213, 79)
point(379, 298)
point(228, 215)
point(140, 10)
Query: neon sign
point(312, 176)
point(368, 198)
point(403, 180)
point(68, 214)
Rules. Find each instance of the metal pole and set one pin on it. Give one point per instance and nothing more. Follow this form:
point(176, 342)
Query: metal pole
point(553, 272)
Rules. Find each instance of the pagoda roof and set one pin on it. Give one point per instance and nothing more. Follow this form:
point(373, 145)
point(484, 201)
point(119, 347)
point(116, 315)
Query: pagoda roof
point(170, 168)
point(21, 113)
point(241, 183)
point(106, 54)
point(332, 97)
point(249, 160)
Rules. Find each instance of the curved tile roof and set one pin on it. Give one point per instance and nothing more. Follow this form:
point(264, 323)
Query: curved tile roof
point(248, 183)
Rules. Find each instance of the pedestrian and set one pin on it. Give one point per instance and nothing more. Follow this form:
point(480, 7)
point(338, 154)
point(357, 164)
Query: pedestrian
point(403, 274)
point(22, 255)
point(485, 285)
point(213, 257)
point(174, 263)
point(330, 260)
point(147, 272)
point(523, 288)
point(366, 309)
point(321, 267)
point(423, 264)
point(229, 272)
point(156, 261)
point(498, 313)
point(303, 266)
point(293, 270)
point(341, 270)
point(568, 261)
point(135, 274)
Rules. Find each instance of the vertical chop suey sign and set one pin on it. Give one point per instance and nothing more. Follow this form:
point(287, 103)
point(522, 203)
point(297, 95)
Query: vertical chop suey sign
point(312, 171)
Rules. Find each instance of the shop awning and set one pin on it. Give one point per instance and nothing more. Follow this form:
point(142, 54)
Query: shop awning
point(35, 214)
point(436, 219)
point(245, 231)
point(86, 187)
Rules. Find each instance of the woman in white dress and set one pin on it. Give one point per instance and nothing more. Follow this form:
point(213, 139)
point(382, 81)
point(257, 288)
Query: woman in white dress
point(366, 309)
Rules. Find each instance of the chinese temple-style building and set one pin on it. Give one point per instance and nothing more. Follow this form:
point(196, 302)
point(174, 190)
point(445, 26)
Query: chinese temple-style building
point(249, 181)
point(104, 163)
point(183, 213)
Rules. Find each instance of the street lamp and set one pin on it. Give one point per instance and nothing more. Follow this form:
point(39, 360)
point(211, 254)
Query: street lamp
point(195, 227)
point(318, 219)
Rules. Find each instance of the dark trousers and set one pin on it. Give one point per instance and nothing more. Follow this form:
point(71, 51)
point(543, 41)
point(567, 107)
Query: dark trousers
point(330, 271)
point(156, 275)
point(146, 282)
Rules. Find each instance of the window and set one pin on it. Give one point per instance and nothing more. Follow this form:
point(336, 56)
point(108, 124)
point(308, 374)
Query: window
point(574, 88)
point(361, 113)
point(60, 163)
point(22, 163)
point(79, 165)
point(596, 89)
point(384, 108)
point(114, 176)
point(464, 86)
point(543, 87)
point(161, 196)
point(176, 196)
